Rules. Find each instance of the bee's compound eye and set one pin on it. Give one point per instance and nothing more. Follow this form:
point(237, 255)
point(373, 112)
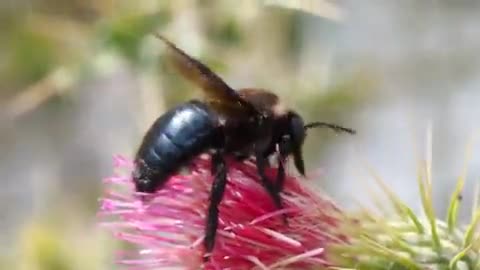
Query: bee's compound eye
point(297, 130)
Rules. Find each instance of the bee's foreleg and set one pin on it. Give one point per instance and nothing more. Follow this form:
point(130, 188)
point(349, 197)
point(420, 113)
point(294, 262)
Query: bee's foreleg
point(269, 186)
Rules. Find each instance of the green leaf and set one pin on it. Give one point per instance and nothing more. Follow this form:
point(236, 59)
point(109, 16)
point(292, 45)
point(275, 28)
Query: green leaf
point(458, 257)
point(471, 229)
point(389, 254)
point(428, 209)
point(452, 214)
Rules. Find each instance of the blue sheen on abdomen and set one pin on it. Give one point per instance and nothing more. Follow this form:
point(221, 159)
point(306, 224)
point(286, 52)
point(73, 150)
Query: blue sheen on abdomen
point(179, 135)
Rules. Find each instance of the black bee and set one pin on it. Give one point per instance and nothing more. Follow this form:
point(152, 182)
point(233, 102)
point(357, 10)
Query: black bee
point(248, 123)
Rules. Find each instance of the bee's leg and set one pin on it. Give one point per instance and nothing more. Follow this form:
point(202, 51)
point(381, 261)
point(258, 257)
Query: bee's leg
point(219, 170)
point(240, 156)
point(280, 174)
point(269, 186)
point(281, 156)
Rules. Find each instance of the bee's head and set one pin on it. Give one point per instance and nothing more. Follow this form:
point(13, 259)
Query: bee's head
point(297, 132)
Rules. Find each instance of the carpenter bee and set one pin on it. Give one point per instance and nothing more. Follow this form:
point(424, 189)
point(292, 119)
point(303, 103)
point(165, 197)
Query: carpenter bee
point(245, 123)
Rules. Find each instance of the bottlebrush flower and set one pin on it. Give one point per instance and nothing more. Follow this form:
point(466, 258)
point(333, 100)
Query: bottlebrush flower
point(168, 228)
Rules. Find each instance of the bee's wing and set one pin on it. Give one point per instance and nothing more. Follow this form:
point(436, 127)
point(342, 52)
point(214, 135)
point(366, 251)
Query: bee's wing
point(220, 96)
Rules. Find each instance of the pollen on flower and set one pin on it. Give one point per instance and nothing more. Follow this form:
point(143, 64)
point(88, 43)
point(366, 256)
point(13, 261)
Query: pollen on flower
point(167, 229)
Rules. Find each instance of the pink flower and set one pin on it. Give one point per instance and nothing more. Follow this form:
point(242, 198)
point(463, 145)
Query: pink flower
point(167, 229)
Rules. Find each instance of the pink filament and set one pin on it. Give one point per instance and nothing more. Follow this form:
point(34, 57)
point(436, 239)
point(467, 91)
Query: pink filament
point(167, 230)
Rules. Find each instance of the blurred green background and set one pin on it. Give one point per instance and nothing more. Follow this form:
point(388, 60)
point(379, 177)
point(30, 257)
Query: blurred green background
point(81, 81)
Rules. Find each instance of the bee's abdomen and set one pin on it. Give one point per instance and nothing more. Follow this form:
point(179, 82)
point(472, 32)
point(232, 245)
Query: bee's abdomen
point(176, 137)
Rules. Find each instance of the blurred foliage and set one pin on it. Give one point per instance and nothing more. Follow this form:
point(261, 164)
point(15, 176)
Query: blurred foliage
point(46, 246)
point(127, 33)
point(33, 55)
point(42, 248)
point(30, 56)
point(51, 48)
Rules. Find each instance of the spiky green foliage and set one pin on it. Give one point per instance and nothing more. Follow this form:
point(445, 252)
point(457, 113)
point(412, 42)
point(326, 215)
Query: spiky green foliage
point(404, 240)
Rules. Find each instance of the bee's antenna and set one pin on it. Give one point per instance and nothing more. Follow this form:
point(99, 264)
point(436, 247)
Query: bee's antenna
point(336, 128)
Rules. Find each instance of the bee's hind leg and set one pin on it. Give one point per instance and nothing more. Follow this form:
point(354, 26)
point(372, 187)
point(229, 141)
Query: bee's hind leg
point(219, 171)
